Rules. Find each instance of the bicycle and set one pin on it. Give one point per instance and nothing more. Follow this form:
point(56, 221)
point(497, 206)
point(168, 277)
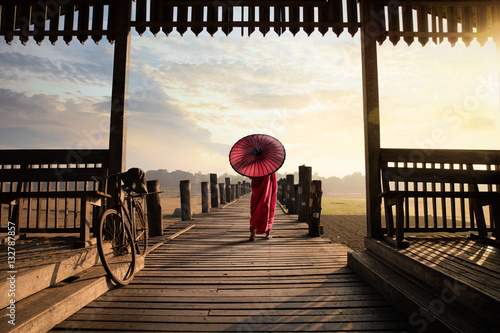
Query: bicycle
point(123, 231)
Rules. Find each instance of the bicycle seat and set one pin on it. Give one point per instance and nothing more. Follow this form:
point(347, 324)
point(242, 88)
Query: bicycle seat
point(135, 179)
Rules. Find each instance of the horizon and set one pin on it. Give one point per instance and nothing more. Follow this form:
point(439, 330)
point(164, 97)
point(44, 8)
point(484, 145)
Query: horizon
point(314, 174)
point(191, 98)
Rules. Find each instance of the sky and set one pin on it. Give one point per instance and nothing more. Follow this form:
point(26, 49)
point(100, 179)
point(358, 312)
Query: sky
point(191, 98)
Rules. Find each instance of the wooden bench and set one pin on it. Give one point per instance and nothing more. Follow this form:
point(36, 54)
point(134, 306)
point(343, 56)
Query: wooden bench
point(38, 184)
point(448, 187)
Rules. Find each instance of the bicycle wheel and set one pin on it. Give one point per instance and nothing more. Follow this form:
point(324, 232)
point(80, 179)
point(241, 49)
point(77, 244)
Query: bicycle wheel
point(116, 247)
point(141, 231)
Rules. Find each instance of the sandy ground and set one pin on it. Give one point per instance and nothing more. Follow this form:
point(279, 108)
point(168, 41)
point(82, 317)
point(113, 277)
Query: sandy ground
point(349, 230)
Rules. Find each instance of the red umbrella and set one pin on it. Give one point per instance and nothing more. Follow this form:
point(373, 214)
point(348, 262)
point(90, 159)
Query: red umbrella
point(257, 155)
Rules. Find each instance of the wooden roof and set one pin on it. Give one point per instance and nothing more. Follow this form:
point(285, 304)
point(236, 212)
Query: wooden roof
point(394, 20)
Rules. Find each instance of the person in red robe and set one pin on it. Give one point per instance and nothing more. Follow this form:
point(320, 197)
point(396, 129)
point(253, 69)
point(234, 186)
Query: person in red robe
point(262, 205)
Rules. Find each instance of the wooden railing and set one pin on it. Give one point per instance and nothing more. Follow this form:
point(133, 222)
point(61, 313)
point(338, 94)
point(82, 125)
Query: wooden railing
point(303, 199)
point(222, 193)
point(51, 191)
point(440, 191)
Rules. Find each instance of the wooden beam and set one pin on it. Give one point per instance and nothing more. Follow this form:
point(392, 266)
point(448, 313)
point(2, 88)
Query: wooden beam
point(370, 29)
point(118, 128)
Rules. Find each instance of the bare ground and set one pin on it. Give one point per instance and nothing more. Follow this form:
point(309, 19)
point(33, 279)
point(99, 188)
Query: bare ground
point(349, 230)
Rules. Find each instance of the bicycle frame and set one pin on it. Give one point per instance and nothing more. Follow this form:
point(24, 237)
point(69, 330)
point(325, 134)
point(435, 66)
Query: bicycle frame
point(120, 242)
point(126, 203)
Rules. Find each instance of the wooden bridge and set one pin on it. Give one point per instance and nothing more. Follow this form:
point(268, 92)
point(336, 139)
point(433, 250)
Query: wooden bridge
point(212, 279)
point(204, 275)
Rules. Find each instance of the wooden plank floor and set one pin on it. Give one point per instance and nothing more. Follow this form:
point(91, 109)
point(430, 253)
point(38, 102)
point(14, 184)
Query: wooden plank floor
point(212, 279)
point(463, 258)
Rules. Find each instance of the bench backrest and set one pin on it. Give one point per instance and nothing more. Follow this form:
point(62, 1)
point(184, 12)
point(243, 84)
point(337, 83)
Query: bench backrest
point(42, 170)
point(406, 166)
point(53, 166)
point(421, 171)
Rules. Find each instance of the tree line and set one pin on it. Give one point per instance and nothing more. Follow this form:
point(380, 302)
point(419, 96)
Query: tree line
point(352, 183)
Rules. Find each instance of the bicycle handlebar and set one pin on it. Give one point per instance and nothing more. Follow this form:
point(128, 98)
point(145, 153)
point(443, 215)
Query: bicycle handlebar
point(135, 195)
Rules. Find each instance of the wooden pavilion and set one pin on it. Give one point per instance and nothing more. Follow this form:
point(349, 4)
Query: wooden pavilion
point(376, 21)
point(452, 184)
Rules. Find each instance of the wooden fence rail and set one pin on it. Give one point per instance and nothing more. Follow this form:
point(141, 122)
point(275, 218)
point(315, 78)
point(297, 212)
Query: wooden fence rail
point(440, 191)
point(52, 190)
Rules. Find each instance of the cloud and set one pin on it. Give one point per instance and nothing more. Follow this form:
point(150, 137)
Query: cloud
point(56, 69)
point(479, 124)
point(46, 121)
point(191, 98)
point(221, 89)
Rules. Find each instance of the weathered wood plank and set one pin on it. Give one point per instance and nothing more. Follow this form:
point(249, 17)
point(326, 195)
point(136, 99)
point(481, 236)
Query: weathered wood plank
point(252, 324)
point(242, 312)
point(213, 279)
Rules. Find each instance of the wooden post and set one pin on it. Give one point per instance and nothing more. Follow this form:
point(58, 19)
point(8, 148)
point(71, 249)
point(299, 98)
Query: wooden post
point(243, 188)
point(278, 198)
point(222, 196)
point(237, 190)
point(315, 228)
point(371, 115)
point(295, 199)
point(305, 177)
point(185, 188)
point(118, 126)
point(155, 218)
point(14, 217)
point(204, 197)
point(16, 214)
point(85, 221)
point(213, 190)
point(233, 192)
point(280, 190)
point(290, 205)
point(228, 189)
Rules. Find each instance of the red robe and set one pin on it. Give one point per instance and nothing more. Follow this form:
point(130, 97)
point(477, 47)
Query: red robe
point(263, 203)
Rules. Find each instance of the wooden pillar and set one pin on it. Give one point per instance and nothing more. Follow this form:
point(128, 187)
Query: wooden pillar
point(204, 197)
point(155, 217)
point(85, 221)
point(222, 196)
point(305, 177)
point(185, 188)
point(16, 211)
point(233, 192)
point(315, 228)
point(371, 115)
point(118, 126)
point(237, 190)
point(228, 189)
point(290, 195)
point(213, 190)
point(243, 188)
point(296, 197)
point(14, 217)
point(280, 190)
